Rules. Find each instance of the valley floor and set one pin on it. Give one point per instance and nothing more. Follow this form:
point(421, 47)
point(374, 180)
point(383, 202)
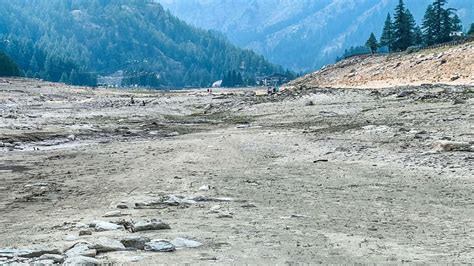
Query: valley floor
point(321, 176)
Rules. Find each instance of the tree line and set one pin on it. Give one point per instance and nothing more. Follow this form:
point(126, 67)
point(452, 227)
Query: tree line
point(440, 24)
point(152, 47)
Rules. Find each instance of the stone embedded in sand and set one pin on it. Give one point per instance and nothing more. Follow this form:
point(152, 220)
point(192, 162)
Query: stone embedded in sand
point(159, 245)
point(446, 146)
point(113, 214)
point(137, 242)
point(204, 188)
point(81, 249)
point(105, 244)
point(122, 205)
point(27, 253)
point(151, 225)
point(185, 243)
point(106, 226)
point(54, 257)
point(81, 260)
point(85, 233)
point(71, 238)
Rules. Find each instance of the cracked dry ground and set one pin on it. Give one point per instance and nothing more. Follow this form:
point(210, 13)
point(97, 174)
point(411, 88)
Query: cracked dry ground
point(351, 177)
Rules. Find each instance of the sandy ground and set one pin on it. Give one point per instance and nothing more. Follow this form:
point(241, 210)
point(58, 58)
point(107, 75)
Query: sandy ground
point(340, 176)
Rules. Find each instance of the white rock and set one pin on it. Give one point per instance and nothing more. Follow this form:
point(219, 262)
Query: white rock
point(185, 243)
point(81, 249)
point(152, 225)
point(106, 226)
point(71, 238)
point(205, 188)
point(81, 260)
point(159, 245)
point(105, 244)
point(113, 214)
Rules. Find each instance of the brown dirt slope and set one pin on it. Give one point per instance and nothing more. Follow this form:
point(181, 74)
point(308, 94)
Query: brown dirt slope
point(446, 65)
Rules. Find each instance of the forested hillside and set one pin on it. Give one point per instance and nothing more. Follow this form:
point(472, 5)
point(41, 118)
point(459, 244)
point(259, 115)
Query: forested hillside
point(75, 40)
point(301, 34)
point(8, 67)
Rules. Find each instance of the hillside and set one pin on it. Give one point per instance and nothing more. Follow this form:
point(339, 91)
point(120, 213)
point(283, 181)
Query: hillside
point(453, 65)
point(74, 41)
point(300, 34)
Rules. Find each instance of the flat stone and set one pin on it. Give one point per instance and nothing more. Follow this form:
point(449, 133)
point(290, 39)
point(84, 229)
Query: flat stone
point(113, 214)
point(185, 243)
point(159, 245)
point(81, 260)
point(137, 242)
point(43, 262)
point(106, 226)
point(152, 225)
point(39, 252)
point(71, 238)
point(105, 244)
point(81, 249)
point(54, 257)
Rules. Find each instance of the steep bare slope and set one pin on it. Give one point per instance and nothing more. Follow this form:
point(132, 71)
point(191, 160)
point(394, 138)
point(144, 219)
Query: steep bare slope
point(453, 65)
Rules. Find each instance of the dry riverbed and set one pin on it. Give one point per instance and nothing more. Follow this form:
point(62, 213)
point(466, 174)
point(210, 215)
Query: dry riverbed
point(320, 176)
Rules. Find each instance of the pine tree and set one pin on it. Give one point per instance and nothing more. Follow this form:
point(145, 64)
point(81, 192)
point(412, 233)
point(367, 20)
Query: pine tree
point(428, 26)
point(387, 38)
point(372, 43)
point(439, 13)
point(417, 36)
point(401, 27)
point(439, 23)
point(411, 26)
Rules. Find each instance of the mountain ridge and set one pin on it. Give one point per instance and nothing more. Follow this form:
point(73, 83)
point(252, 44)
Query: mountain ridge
point(300, 34)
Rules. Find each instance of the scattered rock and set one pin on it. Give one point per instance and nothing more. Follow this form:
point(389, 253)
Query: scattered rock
point(71, 238)
point(151, 225)
point(159, 245)
point(122, 205)
point(309, 103)
point(204, 188)
point(446, 146)
point(185, 243)
point(137, 242)
point(81, 249)
point(456, 77)
point(85, 233)
point(248, 205)
point(225, 215)
point(106, 226)
point(81, 260)
point(105, 244)
point(215, 209)
point(43, 263)
point(113, 214)
point(54, 257)
point(27, 253)
point(459, 101)
point(71, 137)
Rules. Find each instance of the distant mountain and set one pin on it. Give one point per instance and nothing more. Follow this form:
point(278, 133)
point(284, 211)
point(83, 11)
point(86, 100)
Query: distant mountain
point(300, 34)
point(76, 40)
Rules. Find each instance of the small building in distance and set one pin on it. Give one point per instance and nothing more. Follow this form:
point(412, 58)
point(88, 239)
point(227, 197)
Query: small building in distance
point(275, 79)
point(111, 81)
point(217, 84)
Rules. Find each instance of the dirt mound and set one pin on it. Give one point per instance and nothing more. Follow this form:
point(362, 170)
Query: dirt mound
point(446, 65)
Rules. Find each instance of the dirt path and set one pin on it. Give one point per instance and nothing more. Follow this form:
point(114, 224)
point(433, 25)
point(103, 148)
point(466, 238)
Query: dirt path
point(337, 176)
